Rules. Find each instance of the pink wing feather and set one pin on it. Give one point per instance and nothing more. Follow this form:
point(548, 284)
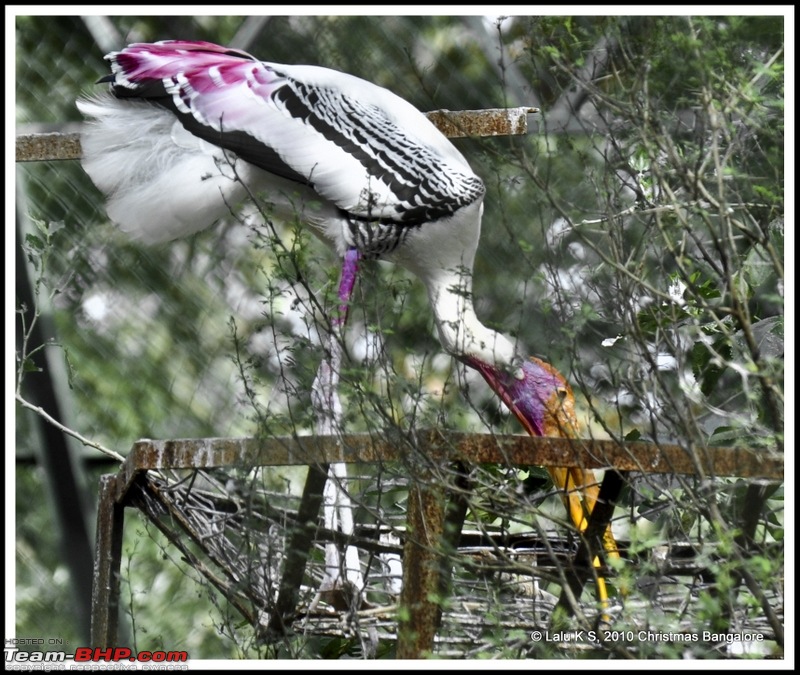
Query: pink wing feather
point(305, 133)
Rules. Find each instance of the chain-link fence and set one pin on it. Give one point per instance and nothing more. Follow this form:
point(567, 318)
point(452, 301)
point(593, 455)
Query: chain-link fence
point(634, 240)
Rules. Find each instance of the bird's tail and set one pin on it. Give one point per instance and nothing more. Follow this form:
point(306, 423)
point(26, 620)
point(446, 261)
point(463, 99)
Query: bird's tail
point(161, 181)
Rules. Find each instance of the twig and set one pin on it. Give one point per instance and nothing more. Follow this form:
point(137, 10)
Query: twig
point(91, 444)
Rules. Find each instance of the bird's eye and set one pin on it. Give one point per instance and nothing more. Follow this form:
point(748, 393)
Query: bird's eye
point(562, 393)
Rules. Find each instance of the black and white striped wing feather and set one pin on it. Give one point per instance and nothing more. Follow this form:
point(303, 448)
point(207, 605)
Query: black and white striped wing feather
point(362, 149)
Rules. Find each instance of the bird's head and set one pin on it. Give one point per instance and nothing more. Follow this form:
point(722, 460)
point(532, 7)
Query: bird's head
point(537, 394)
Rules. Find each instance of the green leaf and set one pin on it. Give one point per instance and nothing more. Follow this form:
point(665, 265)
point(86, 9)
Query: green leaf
point(34, 242)
point(633, 435)
point(29, 366)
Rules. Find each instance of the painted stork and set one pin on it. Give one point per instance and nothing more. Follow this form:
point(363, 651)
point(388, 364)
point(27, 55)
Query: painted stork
point(190, 128)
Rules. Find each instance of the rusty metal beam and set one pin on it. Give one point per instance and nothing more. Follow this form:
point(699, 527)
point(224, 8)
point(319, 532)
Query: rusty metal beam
point(447, 446)
point(482, 123)
point(48, 147)
point(108, 557)
point(452, 123)
point(420, 603)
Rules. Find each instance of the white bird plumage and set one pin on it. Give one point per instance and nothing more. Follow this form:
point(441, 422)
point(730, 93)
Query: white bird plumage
point(190, 128)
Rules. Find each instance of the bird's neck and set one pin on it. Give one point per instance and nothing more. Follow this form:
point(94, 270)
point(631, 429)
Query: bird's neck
point(460, 331)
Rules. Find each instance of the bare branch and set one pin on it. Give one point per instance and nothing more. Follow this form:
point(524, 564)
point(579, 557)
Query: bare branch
point(90, 444)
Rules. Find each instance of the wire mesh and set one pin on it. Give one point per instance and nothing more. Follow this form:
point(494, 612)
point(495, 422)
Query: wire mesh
point(597, 254)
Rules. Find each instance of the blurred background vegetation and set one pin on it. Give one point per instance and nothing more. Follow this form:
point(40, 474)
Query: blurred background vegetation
point(634, 239)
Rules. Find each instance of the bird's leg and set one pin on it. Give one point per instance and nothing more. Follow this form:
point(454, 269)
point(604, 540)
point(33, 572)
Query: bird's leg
point(324, 391)
point(338, 509)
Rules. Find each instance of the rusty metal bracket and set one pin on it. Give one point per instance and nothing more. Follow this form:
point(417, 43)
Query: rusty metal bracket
point(420, 608)
point(108, 558)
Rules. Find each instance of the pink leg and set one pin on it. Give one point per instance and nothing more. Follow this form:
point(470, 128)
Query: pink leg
point(324, 391)
point(346, 284)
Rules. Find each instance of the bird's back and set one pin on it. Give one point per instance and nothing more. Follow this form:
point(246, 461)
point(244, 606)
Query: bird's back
point(190, 128)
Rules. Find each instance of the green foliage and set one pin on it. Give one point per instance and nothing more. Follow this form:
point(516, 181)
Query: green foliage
point(636, 242)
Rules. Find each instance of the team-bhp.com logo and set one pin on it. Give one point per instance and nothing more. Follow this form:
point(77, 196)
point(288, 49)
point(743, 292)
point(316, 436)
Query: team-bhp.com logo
point(94, 654)
point(125, 654)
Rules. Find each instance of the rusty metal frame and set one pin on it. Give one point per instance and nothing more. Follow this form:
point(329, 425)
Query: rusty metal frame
point(426, 515)
point(441, 445)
